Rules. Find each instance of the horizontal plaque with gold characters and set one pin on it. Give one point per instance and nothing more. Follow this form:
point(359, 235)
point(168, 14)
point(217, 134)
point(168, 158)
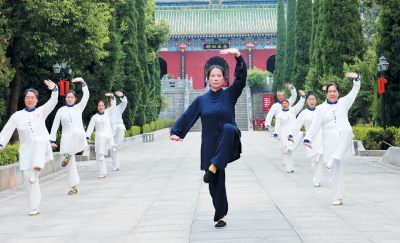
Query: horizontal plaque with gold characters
point(216, 46)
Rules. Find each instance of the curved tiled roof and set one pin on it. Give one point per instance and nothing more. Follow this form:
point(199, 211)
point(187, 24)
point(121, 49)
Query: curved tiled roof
point(219, 20)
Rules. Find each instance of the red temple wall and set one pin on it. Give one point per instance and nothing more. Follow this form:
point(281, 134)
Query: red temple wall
point(196, 60)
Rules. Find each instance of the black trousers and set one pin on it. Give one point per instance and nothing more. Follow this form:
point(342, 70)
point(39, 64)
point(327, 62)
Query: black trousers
point(228, 150)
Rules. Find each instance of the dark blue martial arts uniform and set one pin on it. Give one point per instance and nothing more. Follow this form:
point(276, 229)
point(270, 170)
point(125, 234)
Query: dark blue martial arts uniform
point(220, 135)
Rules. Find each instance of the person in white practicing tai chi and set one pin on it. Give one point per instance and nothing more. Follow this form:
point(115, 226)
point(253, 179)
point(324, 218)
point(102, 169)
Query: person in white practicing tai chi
point(296, 136)
point(277, 107)
point(337, 134)
point(104, 139)
point(35, 150)
point(283, 125)
point(118, 128)
point(73, 137)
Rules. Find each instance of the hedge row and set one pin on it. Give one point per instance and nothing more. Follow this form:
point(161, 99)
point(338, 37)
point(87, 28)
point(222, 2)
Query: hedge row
point(147, 128)
point(372, 137)
point(9, 155)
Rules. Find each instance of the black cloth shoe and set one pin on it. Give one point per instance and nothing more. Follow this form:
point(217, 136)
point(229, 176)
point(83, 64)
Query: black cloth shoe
point(65, 162)
point(208, 176)
point(220, 225)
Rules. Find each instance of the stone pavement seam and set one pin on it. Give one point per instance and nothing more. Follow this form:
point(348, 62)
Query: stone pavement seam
point(308, 192)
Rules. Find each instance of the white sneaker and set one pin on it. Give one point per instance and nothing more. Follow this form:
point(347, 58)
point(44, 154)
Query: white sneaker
point(34, 212)
point(115, 169)
point(318, 158)
point(286, 150)
point(34, 177)
point(102, 176)
point(337, 202)
point(101, 157)
point(331, 163)
point(317, 185)
point(114, 149)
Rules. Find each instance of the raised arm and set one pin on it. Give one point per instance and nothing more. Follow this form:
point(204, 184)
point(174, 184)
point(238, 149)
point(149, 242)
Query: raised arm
point(293, 97)
point(186, 121)
point(235, 90)
point(54, 128)
point(297, 125)
point(7, 132)
point(299, 106)
point(124, 102)
point(270, 115)
point(351, 97)
point(49, 106)
point(113, 107)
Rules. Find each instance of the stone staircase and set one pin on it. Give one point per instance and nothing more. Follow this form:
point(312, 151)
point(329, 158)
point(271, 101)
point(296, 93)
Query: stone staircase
point(240, 111)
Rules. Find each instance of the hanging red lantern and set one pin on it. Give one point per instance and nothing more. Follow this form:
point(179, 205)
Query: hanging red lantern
point(182, 47)
point(64, 87)
point(250, 46)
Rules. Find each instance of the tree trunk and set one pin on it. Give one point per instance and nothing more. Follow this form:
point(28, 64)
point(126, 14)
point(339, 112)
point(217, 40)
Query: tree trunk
point(15, 84)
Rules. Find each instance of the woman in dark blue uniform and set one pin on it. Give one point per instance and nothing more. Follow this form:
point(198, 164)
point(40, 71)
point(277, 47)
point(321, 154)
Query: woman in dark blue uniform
point(220, 135)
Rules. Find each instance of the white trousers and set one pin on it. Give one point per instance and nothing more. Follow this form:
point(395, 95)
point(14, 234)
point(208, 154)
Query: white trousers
point(33, 190)
point(41, 150)
point(288, 161)
point(103, 142)
point(77, 143)
point(317, 170)
point(118, 140)
point(101, 165)
point(73, 176)
point(337, 181)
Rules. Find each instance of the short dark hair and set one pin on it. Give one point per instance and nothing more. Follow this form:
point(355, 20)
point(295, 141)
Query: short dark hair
point(310, 93)
point(101, 101)
point(33, 91)
point(285, 100)
point(216, 66)
point(73, 92)
point(332, 84)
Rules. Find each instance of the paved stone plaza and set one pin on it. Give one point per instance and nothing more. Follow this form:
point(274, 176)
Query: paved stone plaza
point(158, 196)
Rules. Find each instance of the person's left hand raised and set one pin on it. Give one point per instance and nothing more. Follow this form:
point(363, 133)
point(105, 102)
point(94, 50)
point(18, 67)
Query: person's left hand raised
point(109, 94)
point(79, 79)
point(50, 84)
point(302, 93)
point(352, 75)
point(231, 51)
point(120, 94)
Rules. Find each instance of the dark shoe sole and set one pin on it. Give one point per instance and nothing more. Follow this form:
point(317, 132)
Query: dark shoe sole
point(208, 176)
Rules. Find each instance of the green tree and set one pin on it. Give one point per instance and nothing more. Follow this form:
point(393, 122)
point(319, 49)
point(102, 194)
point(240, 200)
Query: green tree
point(132, 73)
point(290, 41)
point(143, 62)
point(318, 41)
point(388, 45)
point(74, 30)
point(315, 14)
point(6, 72)
point(342, 35)
point(369, 17)
point(280, 48)
point(303, 39)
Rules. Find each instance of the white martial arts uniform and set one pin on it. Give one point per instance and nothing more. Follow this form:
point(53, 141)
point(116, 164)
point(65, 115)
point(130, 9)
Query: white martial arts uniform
point(35, 150)
point(283, 125)
point(118, 129)
point(104, 137)
point(73, 137)
point(305, 118)
point(277, 107)
point(337, 135)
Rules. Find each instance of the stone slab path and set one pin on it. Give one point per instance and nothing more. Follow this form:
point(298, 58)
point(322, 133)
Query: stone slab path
point(158, 196)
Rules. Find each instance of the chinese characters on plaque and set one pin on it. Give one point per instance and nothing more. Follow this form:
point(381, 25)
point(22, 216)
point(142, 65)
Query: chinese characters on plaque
point(215, 46)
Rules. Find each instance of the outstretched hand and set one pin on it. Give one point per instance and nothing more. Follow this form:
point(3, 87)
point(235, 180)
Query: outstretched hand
point(352, 75)
point(324, 88)
point(119, 94)
point(79, 79)
point(308, 145)
point(176, 138)
point(276, 138)
point(291, 139)
point(109, 94)
point(50, 84)
point(302, 93)
point(270, 126)
point(1, 148)
point(53, 145)
point(288, 85)
point(231, 51)
point(89, 141)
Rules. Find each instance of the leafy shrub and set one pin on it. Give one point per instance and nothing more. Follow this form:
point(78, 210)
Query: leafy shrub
point(127, 133)
point(160, 124)
point(135, 130)
point(153, 126)
point(10, 154)
point(93, 137)
point(371, 137)
point(169, 123)
point(146, 128)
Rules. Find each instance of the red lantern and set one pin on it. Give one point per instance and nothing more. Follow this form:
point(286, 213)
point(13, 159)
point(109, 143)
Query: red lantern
point(250, 46)
point(381, 85)
point(182, 47)
point(64, 87)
